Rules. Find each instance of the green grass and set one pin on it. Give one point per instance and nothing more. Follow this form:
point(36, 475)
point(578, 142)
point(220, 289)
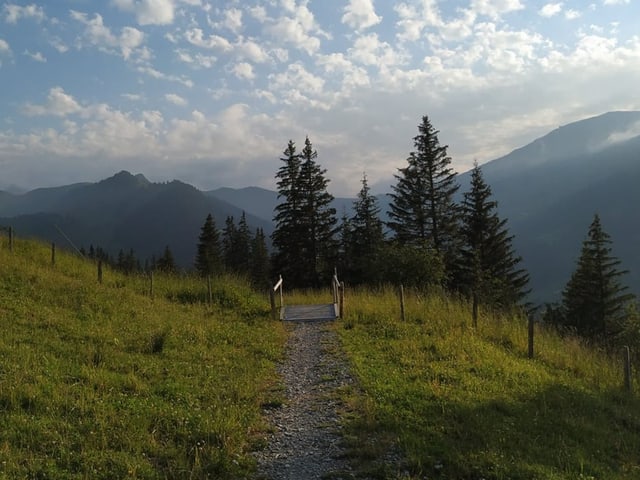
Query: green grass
point(465, 404)
point(102, 381)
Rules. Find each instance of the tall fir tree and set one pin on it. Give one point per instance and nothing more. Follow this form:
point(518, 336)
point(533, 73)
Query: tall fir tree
point(209, 255)
point(319, 220)
point(305, 220)
point(236, 244)
point(594, 301)
point(288, 233)
point(422, 209)
point(166, 263)
point(489, 266)
point(365, 238)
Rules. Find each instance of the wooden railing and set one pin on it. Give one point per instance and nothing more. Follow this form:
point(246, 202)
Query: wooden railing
point(272, 295)
point(338, 293)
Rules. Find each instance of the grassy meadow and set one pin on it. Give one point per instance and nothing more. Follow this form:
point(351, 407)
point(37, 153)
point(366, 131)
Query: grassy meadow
point(466, 404)
point(103, 381)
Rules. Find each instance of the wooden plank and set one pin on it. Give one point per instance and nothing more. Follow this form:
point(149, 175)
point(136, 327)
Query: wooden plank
point(301, 313)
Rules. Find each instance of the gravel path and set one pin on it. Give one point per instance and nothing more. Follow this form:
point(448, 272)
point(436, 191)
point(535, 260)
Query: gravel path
point(306, 442)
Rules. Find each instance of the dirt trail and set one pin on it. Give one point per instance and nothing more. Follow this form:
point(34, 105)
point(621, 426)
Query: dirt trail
point(306, 442)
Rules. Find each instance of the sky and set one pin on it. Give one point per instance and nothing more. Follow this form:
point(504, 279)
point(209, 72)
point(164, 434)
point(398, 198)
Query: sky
point(210, 92)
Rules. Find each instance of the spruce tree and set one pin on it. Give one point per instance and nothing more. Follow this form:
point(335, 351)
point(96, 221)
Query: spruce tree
point(166, 262)
point(319, 248)
point(288, 233)
point(422, 209)
point(489, 265)
point(594, 301)
point(209, 257)
point(365, 237)
point(305, 220)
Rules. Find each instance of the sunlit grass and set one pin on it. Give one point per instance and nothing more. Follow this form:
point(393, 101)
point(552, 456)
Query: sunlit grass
point(104, 381)
point(465, 403)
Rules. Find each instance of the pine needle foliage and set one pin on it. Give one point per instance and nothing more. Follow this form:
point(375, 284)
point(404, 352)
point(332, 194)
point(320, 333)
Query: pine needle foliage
point(489, 265)
point(422, 210)
point(209, 256)
point(594, 301)
point(305, 220)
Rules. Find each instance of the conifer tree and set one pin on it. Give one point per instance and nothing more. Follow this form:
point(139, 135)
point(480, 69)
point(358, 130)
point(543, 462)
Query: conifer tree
point(288, 233)
point(489, 265)
point(422, 209)
point(319, 247)
point(243, 246)
point(305, 220)
point(365, 237)
point(594, 301)
point(209, 257)
point(236, 245)
point(166, 263)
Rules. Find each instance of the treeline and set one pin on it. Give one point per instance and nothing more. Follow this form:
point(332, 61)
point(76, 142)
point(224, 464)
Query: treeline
point(429, 238)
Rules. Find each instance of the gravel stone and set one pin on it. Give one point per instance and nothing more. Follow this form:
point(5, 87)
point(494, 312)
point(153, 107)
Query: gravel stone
point(306, 442)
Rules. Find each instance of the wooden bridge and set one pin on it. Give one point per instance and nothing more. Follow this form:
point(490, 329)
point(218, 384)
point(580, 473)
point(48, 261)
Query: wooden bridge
point(305, 313)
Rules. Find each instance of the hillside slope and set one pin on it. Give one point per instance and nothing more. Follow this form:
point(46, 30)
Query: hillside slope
point(121, 212)
point(550, 189)
point(101, 381)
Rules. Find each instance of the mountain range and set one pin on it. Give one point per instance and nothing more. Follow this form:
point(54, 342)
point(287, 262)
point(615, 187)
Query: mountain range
point(548, 190)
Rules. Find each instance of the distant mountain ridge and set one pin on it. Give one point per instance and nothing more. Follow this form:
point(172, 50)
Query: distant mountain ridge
point(121, 212)
point(548, 190)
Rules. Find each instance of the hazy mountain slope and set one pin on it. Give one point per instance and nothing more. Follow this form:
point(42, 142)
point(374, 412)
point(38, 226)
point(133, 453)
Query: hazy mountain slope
point(122, 212)
point(550, 189)
point(262, 202)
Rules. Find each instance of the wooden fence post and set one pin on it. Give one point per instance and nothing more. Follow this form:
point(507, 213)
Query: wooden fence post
point(530, 336)
point(53, 253)
point(151, 283)
point(11, 239)
point(475, 310)
point(402, 317)
point(627, 369)
point(272, 298)
point(209, 291)
point(342, 300)
point(99, 271)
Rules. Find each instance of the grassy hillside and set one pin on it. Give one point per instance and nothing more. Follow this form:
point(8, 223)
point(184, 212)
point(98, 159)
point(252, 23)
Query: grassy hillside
point(465, 404)
point(101, 381)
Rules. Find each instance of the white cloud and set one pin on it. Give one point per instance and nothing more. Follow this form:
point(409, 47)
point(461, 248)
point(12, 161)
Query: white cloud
point(195, 36)
point(495, 9)
point(571, 14)
point(550, 9)
point(300, 29)
point(371, 51)
point(149, 12)
point(134, 97)
point(251, 50)
point(233, 19)
point(175, 99)
point(197, 61)
point(99, 35)
point(13, 12)
point(58, 104)
point(37, 56)
point(243, 71)
point(360, 14)
point(4, 47)
point(616, 2)
point(152, 72)
point(59, 45)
